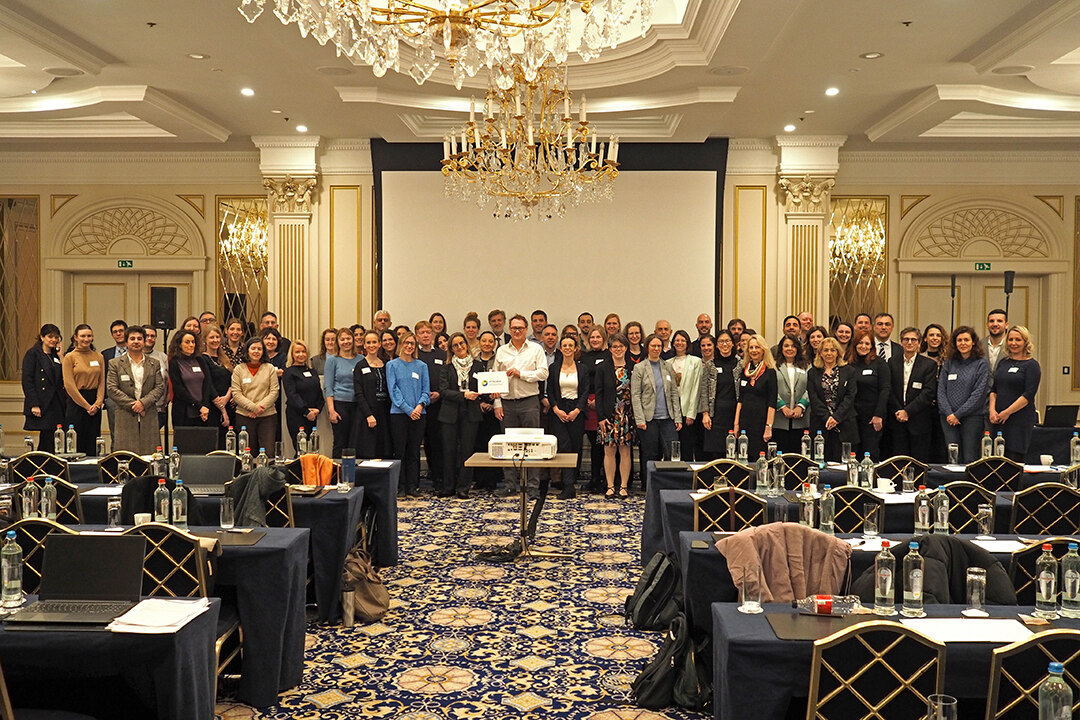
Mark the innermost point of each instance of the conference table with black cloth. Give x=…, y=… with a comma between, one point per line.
x=706, y=580
x=756, y=674
x=171, y=674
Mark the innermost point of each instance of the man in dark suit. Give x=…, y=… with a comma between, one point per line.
x=911, y=404
x=883, y=327
x=497, y=321
x=118, y=330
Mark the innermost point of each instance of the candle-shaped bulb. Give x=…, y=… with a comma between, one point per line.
x=584, y=115
x=472, y=109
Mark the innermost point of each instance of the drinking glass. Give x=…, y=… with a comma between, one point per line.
x=279, y=454
x=813, y=476
x=941, y=707
x=226, y=513
x=870, y=520
x=845, y=451
x=750, y=590
x=909, y=479
x=985, y=519
x=676, y=450
x=112, y=509
x=123, y=472
x=770, y=450
x=954, y=453
x=976, y=591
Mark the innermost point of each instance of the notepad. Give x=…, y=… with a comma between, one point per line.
x=947, y=630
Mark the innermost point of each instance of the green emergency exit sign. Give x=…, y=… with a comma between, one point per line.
x=982, y=266
x=125, y=264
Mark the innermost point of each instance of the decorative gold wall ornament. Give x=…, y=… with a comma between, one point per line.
x=858, y=256
x=198, y=202
x=806, y=194
x=1014, y=235
x=58, y=201
x=155, y=232
x=1055, y=203
x=289, y=194
x=907, y=202
x=242, y=235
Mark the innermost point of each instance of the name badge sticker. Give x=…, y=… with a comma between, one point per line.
x=719, y=371
x=438, y=361
x=744, y=383
x=196, y=368
x=598, y=361
x=416, y=376
x=868, y=371
x=1014, y=369
x=916, y=385
x=245, y=381
x=952, y=376
x=365, y=371
x=95, y=363
x=56, y=360
x=307, y=373
x=125, y=378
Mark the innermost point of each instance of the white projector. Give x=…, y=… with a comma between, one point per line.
x=523, y=444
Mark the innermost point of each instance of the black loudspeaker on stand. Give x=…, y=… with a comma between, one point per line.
x=163, y=307
x=1010, y=279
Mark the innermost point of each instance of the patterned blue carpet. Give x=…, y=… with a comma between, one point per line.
x=469, y=639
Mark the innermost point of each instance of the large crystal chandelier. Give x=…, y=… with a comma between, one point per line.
x=469, y=35
x=527, y=157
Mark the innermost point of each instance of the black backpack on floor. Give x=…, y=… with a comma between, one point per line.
x=677, y=675
x=658, y=595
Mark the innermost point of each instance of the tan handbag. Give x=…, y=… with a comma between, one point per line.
x=364, y=596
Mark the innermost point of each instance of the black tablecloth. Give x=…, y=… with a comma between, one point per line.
x=173, y=674
x=755, y=674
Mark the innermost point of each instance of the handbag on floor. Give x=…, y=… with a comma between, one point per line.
x=364, y=596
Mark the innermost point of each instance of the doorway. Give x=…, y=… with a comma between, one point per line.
x=98, y=298
x=976, y=295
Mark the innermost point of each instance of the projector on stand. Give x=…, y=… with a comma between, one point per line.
x=523, y=444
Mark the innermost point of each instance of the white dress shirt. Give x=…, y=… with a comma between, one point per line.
x=530, y=361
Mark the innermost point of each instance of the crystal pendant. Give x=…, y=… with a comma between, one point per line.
x=251, y=9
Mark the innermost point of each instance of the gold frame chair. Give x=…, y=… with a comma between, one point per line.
x=1073, y=471
x=893, y=469
x=847, y=508
x=964, y=500
x=237, y=464
x=796, y=469
x=728, y=509
x=1017, y=670
x=279, y=509
x=109, y=466
x=907, y=690
x=1022, y=566
x=725, y=472
x=995, y=473
x=30, y=534
x=1048, y=508
x=68, y=503
x=34, y=463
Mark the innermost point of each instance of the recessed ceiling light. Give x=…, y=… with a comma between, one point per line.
x=276, y=111
x=198, y=56
x=1012, y=69
x=872, y=55
x=727, y=70
x=789, y=128
x=301, y=128
x=333, y=70
x=832, y=91
x=247, y=92
x=62, y=71
x=33, y=92
x=809, y=112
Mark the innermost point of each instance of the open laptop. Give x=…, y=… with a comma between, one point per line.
x=1061, y=416
x=206, y=475
x=195, y=440
x=86, y=582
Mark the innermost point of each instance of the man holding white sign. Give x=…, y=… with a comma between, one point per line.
x=526, y=369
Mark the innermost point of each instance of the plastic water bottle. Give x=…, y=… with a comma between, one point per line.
x=884, y=581
x=179, y=505
x=866, y=472
x=245, y=460
x=761, y=475
x=48, y=500
x=58, y=439
x=827, y=511
x=987, y=444
x=301, y=442
x=161, y=502
x=99, y=447
x=11, y=567
x=940, y=506
x=819, y=447
x=1074, y=449
x=999, y=445
x=1070, y=583
x=313, y=441
x=731, y=445
x=827, y=604
x=806, y=506
x=230, y=440
x=744, y=448
x=805, y=444
x=242, y=440
x=71, y=440
x=1046, y=579
x=30, y=499
x=852, y=469
x=776, y=477
x=923, y=513
x=262, y=460
x=28, y=443
x=158, y=466
x=913, y=583
x=1055, y=695
x=174, y=463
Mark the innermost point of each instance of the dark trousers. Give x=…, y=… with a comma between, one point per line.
x=869, y=439
x=787, y=441
x=656, y=441
x=87, y=426
x=343, y=428
x=458, y=441
x=373, y=442
x=262, y=432
x=912, y=438
x=570, y=436
x=406, y=435
x=968, y=435
x=433, y=451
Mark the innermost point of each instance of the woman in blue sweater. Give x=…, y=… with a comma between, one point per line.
x=339, y=390
x=407, y=380
x=963, y=388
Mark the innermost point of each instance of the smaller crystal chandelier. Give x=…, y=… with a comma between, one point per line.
x=468, y=35
x=528, y=157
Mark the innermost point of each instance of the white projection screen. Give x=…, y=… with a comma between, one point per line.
x=648, y=254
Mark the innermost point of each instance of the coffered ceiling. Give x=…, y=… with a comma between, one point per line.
x=133, y=73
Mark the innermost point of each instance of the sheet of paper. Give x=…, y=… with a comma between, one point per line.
x=493, y=382
x=897, y=498
x=694, y=467
x=1039, y=468
x=104, y=490
x=995, y=630
x=698, y=494
x=156, y=616
x=954, y=468
x=377, y=463
x=1000, y=546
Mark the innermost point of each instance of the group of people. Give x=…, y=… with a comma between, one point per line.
x=391, y=390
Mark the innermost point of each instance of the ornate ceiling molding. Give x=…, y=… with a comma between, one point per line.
x=289, y=195
x=89, y=60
